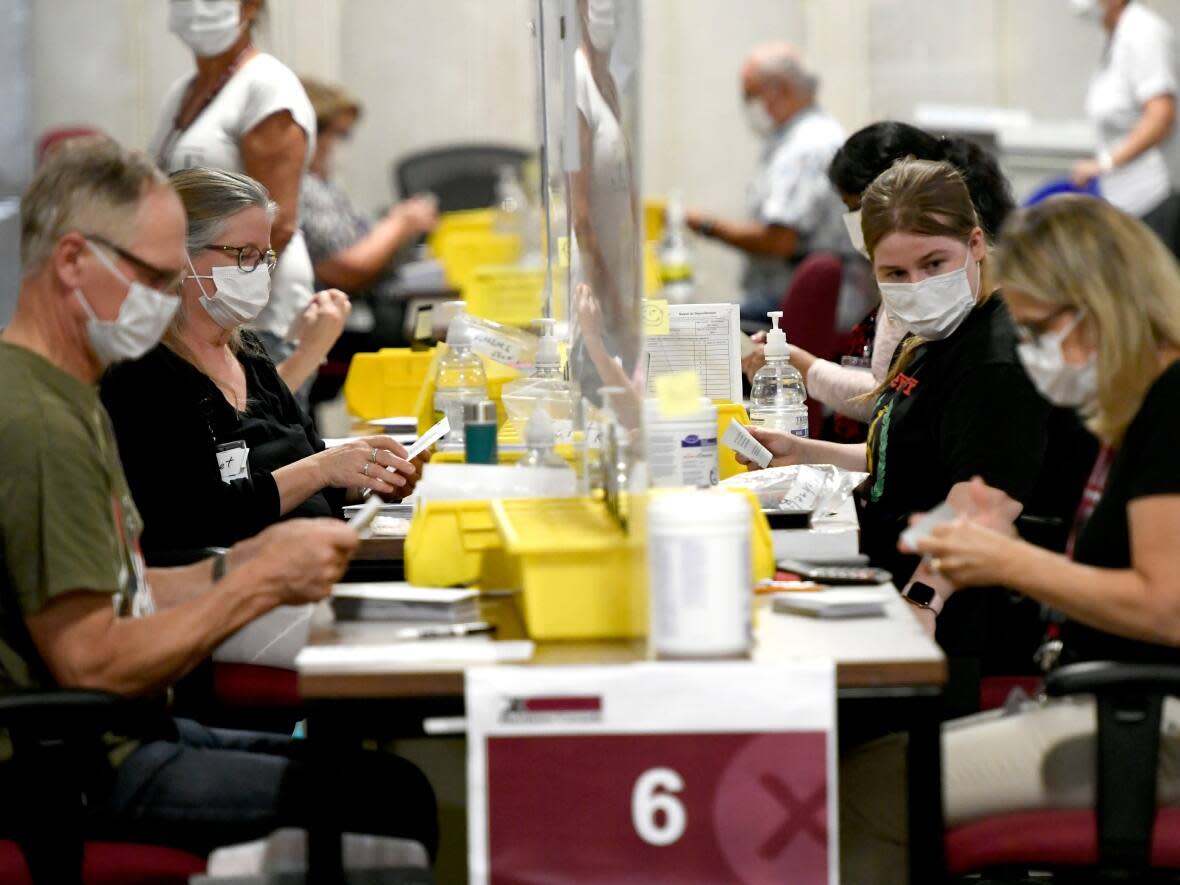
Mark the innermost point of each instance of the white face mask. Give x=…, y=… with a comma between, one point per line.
x=238, y=296
x=207, y=27
x=1090, y=10
x=758, y=118
x=855, y=233
x=1063, y=384
x=143, y=317
x=934, y=307
x=602, y=24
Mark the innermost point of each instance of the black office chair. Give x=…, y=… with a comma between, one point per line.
x=55, y=736
x=1126, y=837
x=461, y=176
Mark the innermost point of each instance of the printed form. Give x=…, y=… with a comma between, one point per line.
x=704, y=337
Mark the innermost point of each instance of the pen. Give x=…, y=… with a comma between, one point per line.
x=444, y=631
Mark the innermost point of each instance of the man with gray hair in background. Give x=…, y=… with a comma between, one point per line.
x=793, y=209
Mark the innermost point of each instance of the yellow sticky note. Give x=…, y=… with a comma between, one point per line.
x=678, y=393
x=563, y=251
x=424, y=323
x=655, y=316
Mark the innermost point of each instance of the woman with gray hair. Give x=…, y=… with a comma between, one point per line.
x=214, y=445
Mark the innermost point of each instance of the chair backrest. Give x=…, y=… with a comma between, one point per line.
x=809, y=306
x=809, y=314
x=462, y=176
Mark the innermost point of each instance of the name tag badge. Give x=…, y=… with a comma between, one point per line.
x=233, y=460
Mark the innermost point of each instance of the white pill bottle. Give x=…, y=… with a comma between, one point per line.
x=699, y=574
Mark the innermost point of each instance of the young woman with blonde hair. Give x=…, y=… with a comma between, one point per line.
x=955, y=405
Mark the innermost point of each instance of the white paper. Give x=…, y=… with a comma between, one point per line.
x=400, y=591
x=429, y=438
x=739, y=439
x=704, y=337
x=272, y=640
x=926, y=523
x=394, y=656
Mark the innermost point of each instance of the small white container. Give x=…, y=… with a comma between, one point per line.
x=699, y=574
x=681, y=451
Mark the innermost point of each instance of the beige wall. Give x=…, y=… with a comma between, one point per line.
x=441, y=70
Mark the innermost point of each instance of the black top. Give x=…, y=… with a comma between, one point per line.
x=963, y=407
x=169, y=419
x=1145, y=465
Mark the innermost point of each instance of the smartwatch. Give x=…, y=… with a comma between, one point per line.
x=922, y=595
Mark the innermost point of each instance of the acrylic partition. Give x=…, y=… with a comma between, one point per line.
x=588, y=67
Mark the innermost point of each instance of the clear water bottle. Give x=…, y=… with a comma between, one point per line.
x=778, y=397
x=461, y=380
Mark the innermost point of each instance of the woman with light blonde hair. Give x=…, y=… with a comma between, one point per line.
x=1096, y=299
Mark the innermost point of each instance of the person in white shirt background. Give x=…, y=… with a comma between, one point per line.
x=245, y=111
x=1132, y=102
x=793, y=209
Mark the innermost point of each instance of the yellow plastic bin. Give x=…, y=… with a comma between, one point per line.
x=726, y=460
x=463, y=251
x=455, y=543
x=509, y=295
x=387, y=382
x=582, y=577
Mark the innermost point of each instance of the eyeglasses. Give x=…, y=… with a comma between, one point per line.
x=169, y=281
x=1030, y=332
x=249, y=257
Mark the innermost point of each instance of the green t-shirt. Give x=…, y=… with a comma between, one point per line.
x=67, y=521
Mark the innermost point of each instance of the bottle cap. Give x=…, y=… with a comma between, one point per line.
x=482, y=412
x=776, y=338
x=548, y=356
x=458, y=331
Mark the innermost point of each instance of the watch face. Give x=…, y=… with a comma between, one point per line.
x=923, y=594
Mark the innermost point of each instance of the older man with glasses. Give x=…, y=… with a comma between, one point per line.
x=102, y=246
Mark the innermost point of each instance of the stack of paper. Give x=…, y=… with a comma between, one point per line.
x=398, y=601
x=852, y=603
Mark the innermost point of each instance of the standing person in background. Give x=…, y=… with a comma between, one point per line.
x=793, y=209
x=1132, y=101
x=349, y=249
x=244, y=111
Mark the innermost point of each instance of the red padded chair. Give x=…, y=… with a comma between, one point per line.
x=112, y=863
x=809, y=314
x=1125, y=837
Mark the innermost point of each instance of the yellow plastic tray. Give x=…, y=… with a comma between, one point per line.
x=386, y=382
x=582, y=577
x=509, y=295
x=726, y=460
x=455, y=543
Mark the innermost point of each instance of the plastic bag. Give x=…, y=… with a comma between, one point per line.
x=819, y=488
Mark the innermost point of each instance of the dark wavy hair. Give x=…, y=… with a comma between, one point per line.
x=871, y=151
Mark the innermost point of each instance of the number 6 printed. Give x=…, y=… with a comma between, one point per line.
x=648, y=800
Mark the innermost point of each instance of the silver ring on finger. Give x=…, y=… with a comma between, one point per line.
x=373, y=455
x=365, y=469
